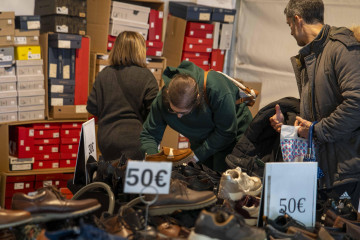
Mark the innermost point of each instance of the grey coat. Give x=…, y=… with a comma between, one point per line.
x=327, y=72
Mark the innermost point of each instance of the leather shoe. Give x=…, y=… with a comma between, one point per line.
x=176, y=156
x=48, y=204
x=12, y=218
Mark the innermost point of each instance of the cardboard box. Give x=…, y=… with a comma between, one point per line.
x=45, y=126
x=30, y=85
x=61, y=99
x=204, y=41
x=155, y=25
x=82, y=63
x=7, y=86
x=27, y=52
x=68, y=112
x=15, y=160
x=31, y=100
x=7, y=23
x=62, y=88
x=7, y=40
x=27, y=22
x=223, y=15
x=190, y=11
x=195, y=55
x=98, y=15
x=26, y=37
x=119, y=25
x=173, y=139
x=7, y=58
x=189, y=47
x=198, y=33
x=129, y=12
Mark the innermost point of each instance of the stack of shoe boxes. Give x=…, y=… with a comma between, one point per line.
x=61, y=68
x=29, y=69
x=21, y=148
x=154, y=44
x=65, y=16
x=204, y=34
x=8, y=93
x=14, y=184
x=69, y=143
x=127, y=17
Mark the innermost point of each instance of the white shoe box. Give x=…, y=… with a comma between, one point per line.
x=30, y=85
x=27, y=113
x=118, y=26
x=130, y=12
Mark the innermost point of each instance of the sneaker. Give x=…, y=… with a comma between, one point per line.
x=176, y=156
x=180, y=197
x=248, y=207
x=253, y=166
x=12, y=218
x=48, y=204
x=225, y=226
x=235, y=184
x=283, y=222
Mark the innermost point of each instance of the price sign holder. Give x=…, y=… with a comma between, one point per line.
x=87, y=148
x=147, y=177
x=290, y=188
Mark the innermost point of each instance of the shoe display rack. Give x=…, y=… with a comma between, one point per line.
x=27, y=180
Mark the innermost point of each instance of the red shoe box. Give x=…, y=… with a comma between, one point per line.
x=203, y=67
x=154, y=44
x=196, y=48
x=46, y=156
x=199, y=34
x=46, y=149
x=155, y=25
x=111, y=42
x=69, y=148
x=42, y=126
x=22, y=184
x=74, y=140
x=68, y=155
x=43, y=180
x=154, y=52
x=46, y=164
x=21, y=141
x=74, y=125
x=66, y=193
x=8, y=201
x=70, y=133
x=52, y=141
x=195, y=55
x=82, y=57
x=193, y=26
x=217, y=59
x=197, y=61
x=204, y=41
x=47, y=133
x=67, y=163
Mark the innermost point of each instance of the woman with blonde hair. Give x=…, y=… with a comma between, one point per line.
x=121, y=98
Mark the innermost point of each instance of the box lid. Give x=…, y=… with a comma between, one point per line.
x=224, y=11
x=190, y=6
x=130, y=6
x=62, y=36
x=129, y=23
x=27, y=18
x=7, y=15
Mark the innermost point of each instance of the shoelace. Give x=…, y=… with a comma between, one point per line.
x=53, y=189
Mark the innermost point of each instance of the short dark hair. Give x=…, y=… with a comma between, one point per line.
x=182, y=92
x=312, y=11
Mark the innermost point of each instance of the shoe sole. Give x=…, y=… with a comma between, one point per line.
x=44, y=217
x=14, y=224
x=168, y=209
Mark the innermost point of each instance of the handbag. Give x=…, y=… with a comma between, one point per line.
x=247, y=95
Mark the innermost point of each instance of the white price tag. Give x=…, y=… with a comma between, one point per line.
x=291, y=188
x=18, y=186
x=148, y=177
x=204, y=16
x=33, y=25
x=64, y=44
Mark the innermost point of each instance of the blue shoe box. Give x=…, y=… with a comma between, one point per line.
x=190, y=11
x=61, y=99
x=61, y=40
x=61, y=86
x=27, y=23
x=223, y=15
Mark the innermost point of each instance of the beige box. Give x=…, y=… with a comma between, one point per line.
x=29, y=67
x=130, y=12
x=27, y=78
x=8, y=116
x=68, y=112
x=27, y=113
x=118, y=25
x=39, y=92
x=7, y=86
x=30, y=85
x=8, y=109
x=31, y=100
x=7, y=71
x=226, y=36
x=10, y=78
x=7, y=23
x=8, y=102
x=7, y=40
x=8, y=94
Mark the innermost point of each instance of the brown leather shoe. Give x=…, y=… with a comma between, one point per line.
x=180, y=197
x=12, y=218
x=176, y=156
x=48, y=204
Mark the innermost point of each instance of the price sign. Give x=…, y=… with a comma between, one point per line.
x=291, y=188
x=148, y=177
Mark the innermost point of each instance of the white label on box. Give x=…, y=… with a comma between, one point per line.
x=74, y=124
x=209, y=35
x=183, y=145
x=55, y=135
x=57, y=183
x=54, y=149
x=40, y=164
x=66, y=72
x=64, y=43
x=8, y=38
x=33, y=24
x=152, y=25
x=204, y=16
x=18, y=186
x=62, y=28
x=55, y=165
x=214, y=64
x=11, y=87
x=74, y=139
x=31, y=132
x=68, y=162
x=22, y=143
x=161, y=14
x=57, y=88
x=80, y=109
x=18, y=167
x=202, y=26
x=151, y=44
x=197, y=54
x=41, y=148
x=46, y=156
x=73, y=155
x=57, y=101
x=67, y=132
x=46, y=140
x=33, y=55
x=36, y=38
x=158, y=53
x=200, y=41
x=27, y=185
x=47, y=183
x=205, y=62
x=209, y=49
x=41, y=132
x=27, y=149
x=70, y=147
x=190, y=46
x=41, y=100
x=5, y=58
x=62, y=10
x=157, y=37
x=9, y=21
x=53, y=70
x=229, y=18
x=47, y=125
x=191, y=33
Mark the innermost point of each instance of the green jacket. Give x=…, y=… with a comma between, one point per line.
x=209, y=129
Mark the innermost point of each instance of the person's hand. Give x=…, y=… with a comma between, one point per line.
x=277, y=120
x=303, y=130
